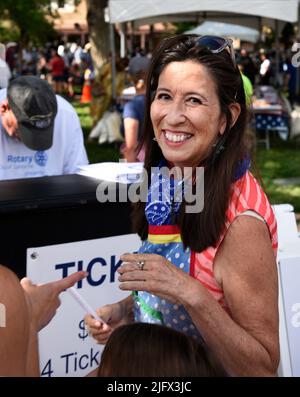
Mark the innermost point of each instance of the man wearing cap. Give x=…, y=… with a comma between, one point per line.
x=40, y=133
x=139, y=63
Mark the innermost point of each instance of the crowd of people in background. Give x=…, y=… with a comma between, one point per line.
x=65, y=64
x=62, y=65
x=69, y=68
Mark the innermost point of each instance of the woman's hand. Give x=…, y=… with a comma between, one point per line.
x=114, y=315
x=43, y=300
x=157, y=276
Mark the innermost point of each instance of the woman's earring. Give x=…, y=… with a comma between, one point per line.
x=219, y=147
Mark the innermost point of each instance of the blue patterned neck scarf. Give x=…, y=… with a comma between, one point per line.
x=164, y=197
x=165, y=194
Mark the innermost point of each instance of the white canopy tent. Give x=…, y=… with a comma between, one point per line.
x=131, y=10
x=226, y=29
x=248, y=13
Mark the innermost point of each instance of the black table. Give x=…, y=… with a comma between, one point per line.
x=53, y=210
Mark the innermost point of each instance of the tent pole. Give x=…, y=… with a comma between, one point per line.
x=260, y=29
x=277, y=51
x=113, y=60
x=122, y=40
x=132, y=28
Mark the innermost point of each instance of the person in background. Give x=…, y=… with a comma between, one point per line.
x=139, y=62
x=5, y=72
x=133, y=117
x=11, y=56
x=265, y=71
x=40, y=133
x=75, y=78
x=88, y=79
x=56, y=66
x=28, y=308
x=166, y=353
x=42, y=70
x=207, y=263
x=86, y=54
x=249, y=68
x=248, y=87
x=290, y=80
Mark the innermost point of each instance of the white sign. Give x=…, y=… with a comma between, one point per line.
x=290, y=289
x=65, y=347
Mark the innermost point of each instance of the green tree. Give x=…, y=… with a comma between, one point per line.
x=30, y=19
x=182, y=27
x=98, y=31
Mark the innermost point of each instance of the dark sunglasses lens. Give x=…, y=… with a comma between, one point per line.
x=211, y=43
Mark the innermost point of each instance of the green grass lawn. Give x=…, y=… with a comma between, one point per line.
x=281, y=161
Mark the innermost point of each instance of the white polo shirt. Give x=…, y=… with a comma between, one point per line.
x=64, y=157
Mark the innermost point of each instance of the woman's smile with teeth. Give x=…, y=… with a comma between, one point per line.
x=176, y=137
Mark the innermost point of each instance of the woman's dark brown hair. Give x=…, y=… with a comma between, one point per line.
x=142, y=349
x=203, y=229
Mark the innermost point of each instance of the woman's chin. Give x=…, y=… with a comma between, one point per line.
x=176, y=160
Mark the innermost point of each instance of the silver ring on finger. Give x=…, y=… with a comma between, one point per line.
x=141, y=265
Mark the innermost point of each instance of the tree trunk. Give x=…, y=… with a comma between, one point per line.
x=98, y=31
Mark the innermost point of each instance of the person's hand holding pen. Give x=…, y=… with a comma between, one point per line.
x=43, y=300
x=114, y=315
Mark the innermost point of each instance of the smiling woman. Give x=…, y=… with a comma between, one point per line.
x=186, y=114
x=201, y=274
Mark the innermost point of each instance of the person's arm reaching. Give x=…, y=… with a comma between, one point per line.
x=14, y=327
x=27, y=308
x=131, y=127
x=43, y=300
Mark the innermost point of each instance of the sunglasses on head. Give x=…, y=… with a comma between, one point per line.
x=216, y=44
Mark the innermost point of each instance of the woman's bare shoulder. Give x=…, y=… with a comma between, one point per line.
x=246, y=248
